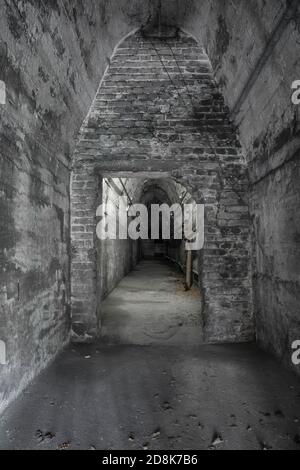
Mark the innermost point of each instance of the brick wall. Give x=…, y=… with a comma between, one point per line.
x=159, y=109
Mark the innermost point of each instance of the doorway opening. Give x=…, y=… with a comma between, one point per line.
x=149, y=289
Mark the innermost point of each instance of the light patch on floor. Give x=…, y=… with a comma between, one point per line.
x=151, y=306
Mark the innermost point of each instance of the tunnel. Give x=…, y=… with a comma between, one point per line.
x=156, y=268
x=149, y=225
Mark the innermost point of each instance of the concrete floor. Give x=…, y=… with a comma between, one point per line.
x=156, y=396
x=151, y=306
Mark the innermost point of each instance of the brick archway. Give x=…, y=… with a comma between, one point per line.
x=159, y=109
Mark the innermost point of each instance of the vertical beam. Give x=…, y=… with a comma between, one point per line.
x=189, y=269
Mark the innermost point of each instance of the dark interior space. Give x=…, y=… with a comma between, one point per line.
x=145, y=344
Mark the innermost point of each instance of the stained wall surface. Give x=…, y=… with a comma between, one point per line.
x=52, y=57
x=255, y=53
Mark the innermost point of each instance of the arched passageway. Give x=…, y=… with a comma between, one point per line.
x=159, y=301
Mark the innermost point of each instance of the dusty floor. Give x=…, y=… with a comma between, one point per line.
x=162, y=395
x=155, y=397
x=151, y=306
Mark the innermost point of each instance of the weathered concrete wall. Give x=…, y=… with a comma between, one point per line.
x=52, y=57
x=277, y=229
x=254, y=49
x=118, y=257
x=159, y=110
